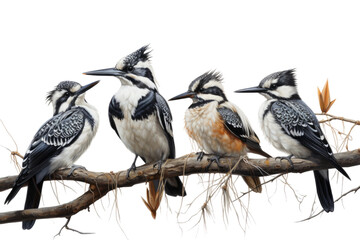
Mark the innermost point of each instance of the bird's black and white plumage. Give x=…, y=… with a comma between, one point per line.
x=58, y=143
x=292, y=127
x=217, y=125
x=140, y=116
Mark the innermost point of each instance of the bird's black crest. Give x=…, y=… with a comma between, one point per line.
x=142, y=54
x=64, y=85
x=205, y=78
x=286, y=77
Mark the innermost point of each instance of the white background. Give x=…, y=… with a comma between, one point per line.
x=43, y=43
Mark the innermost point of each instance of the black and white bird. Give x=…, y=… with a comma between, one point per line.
x=292, y=127
x=58, y=143
x=140, y=116
x=217, y=125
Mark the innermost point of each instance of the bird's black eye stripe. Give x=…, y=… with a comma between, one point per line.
x=61, y=100
x=144, y=72
x=214, y=91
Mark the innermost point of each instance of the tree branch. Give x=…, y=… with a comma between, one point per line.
x=64, y=210
x=102, y=183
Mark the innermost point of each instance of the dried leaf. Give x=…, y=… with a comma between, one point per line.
x=153, y=198
x=324, y=98
x=331, y=103
x=321, y=102
x=146, y=204
x=326, y=94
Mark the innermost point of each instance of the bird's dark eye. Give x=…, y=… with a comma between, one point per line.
x=130, y=68
x=273, y=86
x=66, y=94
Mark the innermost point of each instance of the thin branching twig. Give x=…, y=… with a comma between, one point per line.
x=66, y=226
x=339, y=198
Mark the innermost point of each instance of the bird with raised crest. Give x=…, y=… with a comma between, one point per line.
x=292, y=127
x=140, y=116
x=58, y=143
x=218, y=126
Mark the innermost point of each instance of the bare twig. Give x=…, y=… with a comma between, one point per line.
x=333, y=117
x=15, y=153
x=66, y=226
x=342, y=195
x=271, y=180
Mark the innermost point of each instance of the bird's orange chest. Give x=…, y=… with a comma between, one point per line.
x=207, y=128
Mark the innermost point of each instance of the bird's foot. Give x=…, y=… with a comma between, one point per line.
x=74, y=167
x=287, y=158
x=212, y=159
x=133, y=168
x=200, y=156
x=158, y=164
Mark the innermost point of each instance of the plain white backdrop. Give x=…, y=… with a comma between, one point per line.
x=43, y=43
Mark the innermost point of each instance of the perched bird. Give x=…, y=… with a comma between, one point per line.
x=140, y=116
x=58, y=143
x=292, y=127
x=218, y=126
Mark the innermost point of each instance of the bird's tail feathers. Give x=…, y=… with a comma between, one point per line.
x=254, y=147
x=33, y=196
x=253, y=182
x=12, y=193
x=173, y=187
x=340, y=169
x=323, y=189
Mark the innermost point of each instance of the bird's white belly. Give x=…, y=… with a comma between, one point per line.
x=278, y=138
x=144, y=137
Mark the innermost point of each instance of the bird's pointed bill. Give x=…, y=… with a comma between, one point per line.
x=183, y=95
x=251, y=90
x=86, y=87
x=106, y=72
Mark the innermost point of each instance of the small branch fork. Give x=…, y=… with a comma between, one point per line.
x=333, y=117
x=66, y=226
x=102, y=183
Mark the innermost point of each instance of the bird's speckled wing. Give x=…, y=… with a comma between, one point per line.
x=56, y=133
x=298, y=121
x=236, y=126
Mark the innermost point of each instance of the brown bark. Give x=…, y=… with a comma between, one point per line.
x=102, y=183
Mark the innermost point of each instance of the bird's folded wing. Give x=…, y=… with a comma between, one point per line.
x=51, y=138
x=298, y=121
x=165, y=119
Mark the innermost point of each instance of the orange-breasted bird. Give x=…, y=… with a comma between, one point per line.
x=218, y=126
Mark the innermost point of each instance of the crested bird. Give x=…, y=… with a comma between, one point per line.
x=292, y=127
x=58, y=143
x=217, y=125
x=140, y=116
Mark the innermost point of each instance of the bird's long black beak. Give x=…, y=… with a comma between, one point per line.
x=106, y=72
x=86, y=87
x=251, y=90
x=187, y=94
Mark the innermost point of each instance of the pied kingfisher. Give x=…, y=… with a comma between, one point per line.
x=218, y=126
x=140, y=116
x=292, y=127
x=58, y=143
